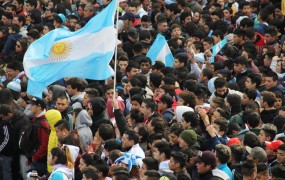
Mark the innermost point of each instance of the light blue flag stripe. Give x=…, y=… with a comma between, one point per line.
x=87, y=53
x=217, y=48
x=160, y=51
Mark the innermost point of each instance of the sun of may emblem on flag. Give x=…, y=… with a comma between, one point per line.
x=60, y=50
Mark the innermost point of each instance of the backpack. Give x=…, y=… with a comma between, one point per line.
x=29, y=141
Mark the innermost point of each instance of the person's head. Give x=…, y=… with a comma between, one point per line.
x=187, y=98
x=189, y=120
x=90, y=173
x=223, y=153
x=217, y=15
x=57, y=156
x=161, y=151
x=30, y=5
x=240, y=64
x=74, y=86
x=47, y=28
x=217, y=35
x=175, y=30
x=221, y=125
x=278, y=100
x=187, y=138
x=59, y=20
x=132, y=69
x=253, y=120
x=271, y=80
x=148, y=107
x=21, y=45
x=120, y=173
x=123, y=62
x=233, y=101
x=180, y=60
x=88, y=11
x=37, y=106
x=267, y=132
x=151, y=175
x=86, y=160
x=221, y=86
x=185, y=17
x=249, y=95
x=245, y=8
x=145, y=65
x=253, y=81
x=177, y=161
x=270, y=36
x=7, y=18
x=149, y=163
x=62, y=128
x=267, y=58
x=174, y=134
x=257, y=154
x=33, y=35
x=106, y=132
x=18, y=4
x=6, y=112
x=237, y=152
x=250, y=139
x=249, y=170
x=19, y=20
x=267, y=99
x=216, y=103
x=271, y=148
x=278, y=172
x=129, y=139
x=162, y=25
x=206, y=161
x=164, y=102
x=62, y=103
x=206, y=75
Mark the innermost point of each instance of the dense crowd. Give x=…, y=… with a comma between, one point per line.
x=209, y=116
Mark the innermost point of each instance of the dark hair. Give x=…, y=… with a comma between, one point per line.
x=191, y=117
x=90, y=173
x=220, y=83
x=253, y=119
x=250, y=139
x=264, y=14
x=255, y=78
x=106, y=131
x=248, y=167
x=62, y=124
x=180, y=157
x=153, y=137
x=268, y=97
x=272, y=74
x=155, y=79
x=218, y=13
x=16, y=66
x=121, y=173
x=32, y=3
x=184, y=15
x=237, y=152
x=251, y=93
x=60, y=154
x=151, y=163
x=223, y=123
x=278, y=171
x=152, y=174
x=132, y=65
x=76, y=83
x=182, y=58
x=247, y=22
x=132, y=136
x=5, y=109
x=88, y=159
x=112, y=144
x=102, y=167
x=150, y=104
x=163, y=147
x=137, y=116
x=167, y=70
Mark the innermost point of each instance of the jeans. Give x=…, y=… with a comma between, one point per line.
x=23, y=166
x=6, y=167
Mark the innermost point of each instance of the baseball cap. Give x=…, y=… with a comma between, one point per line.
x=207, y=157
x=233, y=141
x=61, y=16
x=128, y=16
x=133, y=32
x=38, y=102
x=257, y=153
x=274, y=145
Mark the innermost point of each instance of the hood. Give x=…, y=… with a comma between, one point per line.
x=63, y=169
x=98, y=105
x=53, y=116
x=72, y=151
x=180, y=110
x=57, y=91
x=83, y=119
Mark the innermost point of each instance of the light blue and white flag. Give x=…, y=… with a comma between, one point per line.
x=85, y=53
x=216, y=49
x=159, y=51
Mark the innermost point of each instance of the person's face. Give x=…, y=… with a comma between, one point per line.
x=70, y=90
x=269, y=39
x=201, y=22
x=270, y=152
x=145, y=24
x=18, y=47
x=156, y=155
x=262, y=176
x=207, y=45
x=238, y=68
x=145, y=67
x=87, y=13
x=280, y=156
x=72, y=22
x=16, y=21
x=176, y=32
x=216, y=39
x=248, y=84
x=247, y=10
x=11, y=73
x=77, y=27
x=172, y=164
x=222, y=3
x=80, y=11
x=221, y=91
x=59, y=133
x=28, y=7
x=86, y=100
x=245, y=99
x=17, y=5
x=215, y=18
x=213, y=106
x=182, y=143
x=109, y=93
x=173, y=138
x=215, y=115
x=133, y=72
x=61, y=104
x=278, y=103
x=161, y=106
x=126, y=143
x=162, y=27
x=142, y=170
x=144, y=110
x=133, y=10
x=202, y=168
x=262, y=137
x=184, y=123
x=135, y=105
x=269, y=83
x=51, y=160
x=6, y=21
x=278, y=13
x=236, y=39
x=82, y=165
x=45, y=30
x=196, y=17
x=35, y=108
x=48, y=13
x=227, y=14
x=30, y=39
x=212, y=9
x=187, y=19
x=177, y=64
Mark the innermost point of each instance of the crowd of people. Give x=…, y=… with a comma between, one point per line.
x=209, y=116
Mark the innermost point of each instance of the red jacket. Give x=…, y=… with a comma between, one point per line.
x=43, y=136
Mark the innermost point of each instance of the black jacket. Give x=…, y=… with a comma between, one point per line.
x=6, y=138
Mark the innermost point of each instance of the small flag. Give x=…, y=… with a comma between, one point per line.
x=216, y=49
x=85, y=53
x=159, y=51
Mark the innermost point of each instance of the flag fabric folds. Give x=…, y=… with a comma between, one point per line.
x=85, y=53
x=216, y=49
x=159, y=51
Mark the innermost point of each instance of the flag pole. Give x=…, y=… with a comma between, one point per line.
x=116, y=48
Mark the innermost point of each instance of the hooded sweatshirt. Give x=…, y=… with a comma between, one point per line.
x=82, y=124
x=61, y=172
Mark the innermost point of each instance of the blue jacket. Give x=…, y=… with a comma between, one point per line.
x=10, y=44
x=226, y=169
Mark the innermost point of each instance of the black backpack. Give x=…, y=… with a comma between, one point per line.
x=29, y=140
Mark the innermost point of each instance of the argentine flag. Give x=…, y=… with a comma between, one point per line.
x=216, y=49
x=85, y=53
x=159, y=51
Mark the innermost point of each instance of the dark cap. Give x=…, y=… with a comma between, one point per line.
x=38, y=102
x=207, y=157
x=133, y=32
x=128, y=16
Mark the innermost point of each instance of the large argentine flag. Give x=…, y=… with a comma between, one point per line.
x=85, y=53
x=216, y=49
x=159, y=51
